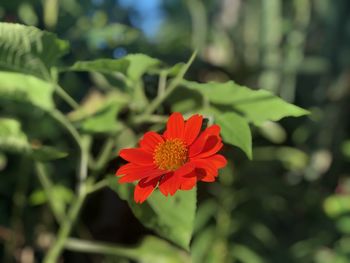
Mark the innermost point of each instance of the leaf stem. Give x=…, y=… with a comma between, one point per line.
x=65, y=229
x=58, y=116
x=47, y=186
x=162, y=82
x=104, y=154
x=98, y=186
x=66, y=97
x=172, y=86
x=101, y=248
x=83, y=167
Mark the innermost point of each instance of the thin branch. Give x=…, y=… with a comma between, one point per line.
x=101, y=248
x=172, y=86
x=47, y=186
x=66, y=97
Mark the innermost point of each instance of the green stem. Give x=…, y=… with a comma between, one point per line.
x=65, y=229
x=58, y=116
x=101, y=248
x=83, y=167
x=99, y=185
x=162, y=82
x=172, y=86
x=47, y=186
x=66, y=97
x=104, y=154
x=150, y=119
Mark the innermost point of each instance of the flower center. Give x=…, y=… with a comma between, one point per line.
x=170, y=155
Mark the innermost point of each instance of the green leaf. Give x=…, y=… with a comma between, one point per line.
x=170, y=71
x=62, y=195
x=104, y=65
x=12, y=139
x=245, y=255
x=235, y=130
x=29, y=50
x=171, y=217
x=154, y=250
x=47, y=153
x=103, y=121
x=98, y=113
x=26, y=89
x=133, y=65
x=140, y=64
x=255, y=105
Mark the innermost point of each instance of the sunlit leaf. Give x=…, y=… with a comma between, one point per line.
x=26, y=89
x=98, y=113
x=133, y=65
x=103, y=121
x=202, y=245
x=13, y=139
x=29, y=50
x=245, y=255
x=171, y=217
x=62, y=195
x=107, y=66
x=255, y=105
x=46, y=153
x=235, y=130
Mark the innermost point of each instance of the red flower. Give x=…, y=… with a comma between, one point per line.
x=175, y=160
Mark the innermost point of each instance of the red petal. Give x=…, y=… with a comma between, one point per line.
x=175, y=126
x=192, y=128
x=185, y=169
x=209, y=140
x=212, y=146
x=136, y=155
x=134, y=168
x=206, y=171
x=143, y=190
x=169, y=184
x=189, y=181
x=218, y=160
x=202, y=175
x=147, y=175
x=150, y=140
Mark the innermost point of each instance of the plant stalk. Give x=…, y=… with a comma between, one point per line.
x=172, y=86
x=65, y=229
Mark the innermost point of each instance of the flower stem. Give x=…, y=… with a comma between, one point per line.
x=101, y=248
x=58, y=116
x=99, y=185
x=105, y=154
x=66, y=97
x=65, y=229
x=172, y=86
x=47, y=186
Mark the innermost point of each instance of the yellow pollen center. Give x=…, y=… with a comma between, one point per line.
x=170, y=155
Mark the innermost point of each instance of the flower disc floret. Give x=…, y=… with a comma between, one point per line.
x=171, y=154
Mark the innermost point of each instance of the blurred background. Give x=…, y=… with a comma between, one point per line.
x=290, y=204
